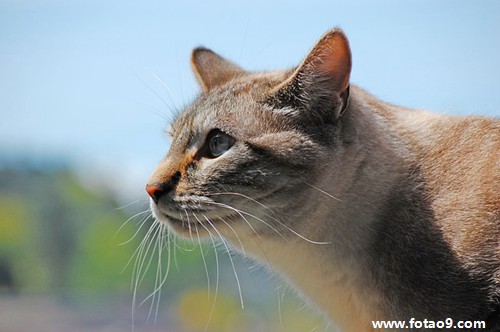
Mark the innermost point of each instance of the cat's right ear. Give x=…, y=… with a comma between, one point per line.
x=213, y=70
x=320, y=84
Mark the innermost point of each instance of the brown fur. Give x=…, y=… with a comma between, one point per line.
x=374, y=211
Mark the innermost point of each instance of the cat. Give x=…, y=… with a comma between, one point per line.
x=371, y=210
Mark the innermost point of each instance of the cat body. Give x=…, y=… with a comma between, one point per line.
x=373, y=211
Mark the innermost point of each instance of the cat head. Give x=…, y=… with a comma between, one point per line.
x=242, y=151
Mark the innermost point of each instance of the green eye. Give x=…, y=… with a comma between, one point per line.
x=218, y=143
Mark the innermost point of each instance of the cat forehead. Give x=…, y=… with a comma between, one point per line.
x=236, y=102
x=214, y=109
x=254, y=84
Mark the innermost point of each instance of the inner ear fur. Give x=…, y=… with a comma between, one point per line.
x=321, y=81
x=211, y=69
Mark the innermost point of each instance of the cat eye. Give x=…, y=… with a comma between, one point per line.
x=218, y=143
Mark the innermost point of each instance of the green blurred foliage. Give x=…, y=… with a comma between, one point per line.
x=17, y=250
x=100, y=260
x=55, y=234
x=13, y=225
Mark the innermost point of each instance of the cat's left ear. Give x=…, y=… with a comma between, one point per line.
x=321, y=82
x=213, y=70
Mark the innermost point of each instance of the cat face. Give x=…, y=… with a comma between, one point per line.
x=232, y=158
x=243, y=149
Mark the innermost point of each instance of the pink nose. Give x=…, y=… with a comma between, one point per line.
x=154, y=191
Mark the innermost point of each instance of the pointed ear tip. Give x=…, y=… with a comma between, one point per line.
x=335, y=29
x=336, y=33
x=199, y=50
x=337, y=36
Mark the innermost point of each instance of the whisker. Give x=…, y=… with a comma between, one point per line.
x=189, y=228
x=167, y=90
x=163, y=242
x=241, y=212
x=138, y=253
x=152, y=110
x=244, y=196
x=280, y=300
x=204, y=261
x=132, y=258
x=155, y=93
x=141, y=223
x=264, y=254
x=141, y=269
x=237, y=237
x=242, y=216
x=322, y=191
x=217, y=271
x=273, y=228
x=129, y=204
x=230, y=259
x=174, y=240
x=158, y=269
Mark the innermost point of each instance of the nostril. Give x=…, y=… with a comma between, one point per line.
x=157, y=190
x=154, y=191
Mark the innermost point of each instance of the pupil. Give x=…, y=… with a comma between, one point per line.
x=218, y=143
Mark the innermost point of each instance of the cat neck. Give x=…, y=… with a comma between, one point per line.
x=373, y=203
x=336, y=224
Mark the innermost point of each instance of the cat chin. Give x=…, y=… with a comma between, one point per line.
x=192, y=228
x=173, y=223
x=180, y=227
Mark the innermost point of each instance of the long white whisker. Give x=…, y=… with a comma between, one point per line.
x=141, y=223
x=138, y=252
x=163, y=240
x=154, y=92
x=129, y=204
x=162, y=279
x=144, y=268
x=273, y=228
x=167, y=268
x=230, y=259
x=250, y=199
x=157, y=245
x=241, y=215
x=280, y=300
x=264, y=254
x=241, y=212
x=217, y=271
x=246, y=197
x=236, y=234
x=189, y=228
x=322, y=191
x=151, y=109
x=204, y=261
x=136, y=270
x=246, y=221
x=167, y=90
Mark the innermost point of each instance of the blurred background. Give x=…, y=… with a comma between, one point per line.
x=86, y=90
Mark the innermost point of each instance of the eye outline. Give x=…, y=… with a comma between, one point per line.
x=212, y=137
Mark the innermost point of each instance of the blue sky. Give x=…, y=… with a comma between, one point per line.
x=87, y=79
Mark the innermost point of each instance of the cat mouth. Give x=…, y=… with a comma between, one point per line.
x=193, y=222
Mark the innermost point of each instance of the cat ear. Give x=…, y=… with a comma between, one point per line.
x=321, y=82
x=211, y=69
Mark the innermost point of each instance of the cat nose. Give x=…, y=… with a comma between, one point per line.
x=154, y=191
